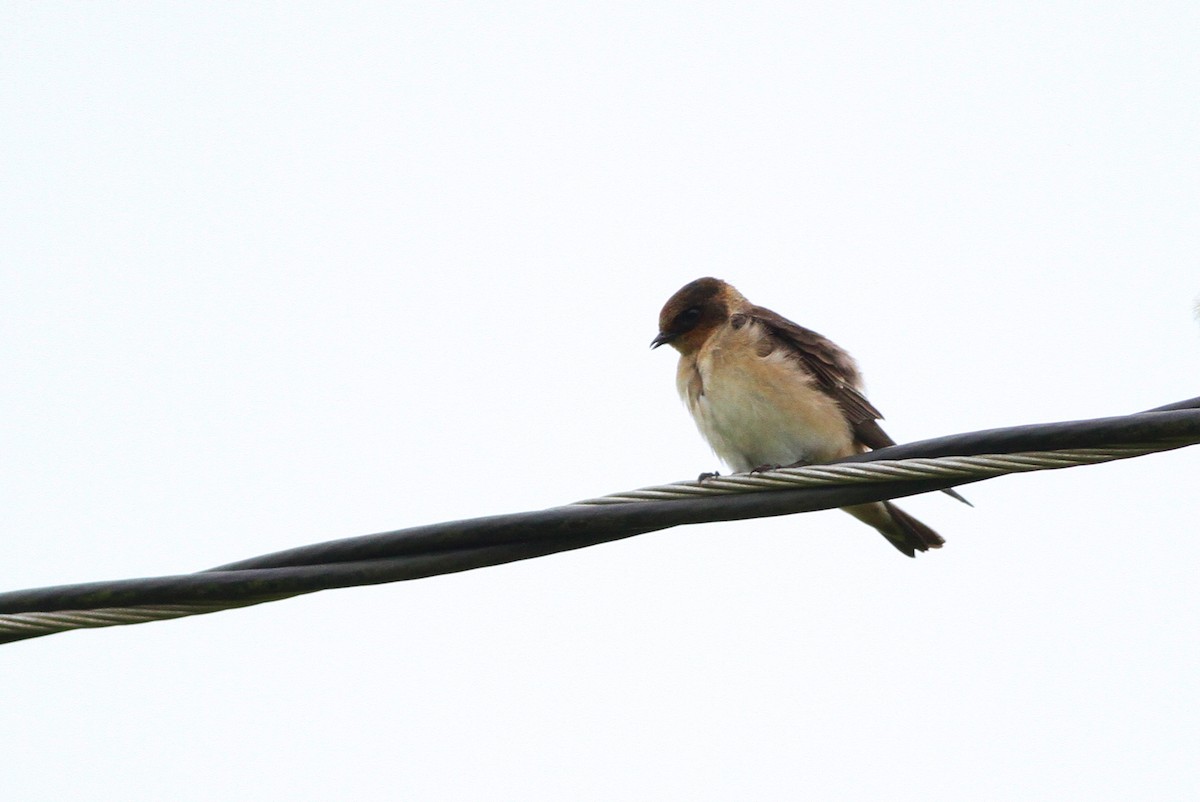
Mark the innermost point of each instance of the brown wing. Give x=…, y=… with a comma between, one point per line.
x=835, y=373
x=833, y=369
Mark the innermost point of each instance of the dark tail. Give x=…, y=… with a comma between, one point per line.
x=902, y=530
x=913, y=536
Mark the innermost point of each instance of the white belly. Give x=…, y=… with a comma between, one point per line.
x=762, y=411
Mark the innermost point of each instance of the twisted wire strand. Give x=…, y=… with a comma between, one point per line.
x=32, y=625
x=22, y=625
x=979, y=466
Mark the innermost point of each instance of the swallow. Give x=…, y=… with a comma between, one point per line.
x=766, y=392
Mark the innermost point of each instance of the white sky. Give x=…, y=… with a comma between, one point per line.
x=284, y=272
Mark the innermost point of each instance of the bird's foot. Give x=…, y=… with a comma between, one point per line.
x=765, y=468
x=704, y=477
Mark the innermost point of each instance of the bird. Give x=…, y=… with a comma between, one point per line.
x=766, y=392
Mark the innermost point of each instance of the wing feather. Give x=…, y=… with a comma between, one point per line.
x=833, y=370
x=835, y=373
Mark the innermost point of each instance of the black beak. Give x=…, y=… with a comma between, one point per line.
x=663, y=338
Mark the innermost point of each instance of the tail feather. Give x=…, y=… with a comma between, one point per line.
x=914, y=535
x=902, y=530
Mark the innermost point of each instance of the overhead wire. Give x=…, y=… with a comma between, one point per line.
x=454, y=546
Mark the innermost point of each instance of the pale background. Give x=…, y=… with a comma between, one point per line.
x=277, y=273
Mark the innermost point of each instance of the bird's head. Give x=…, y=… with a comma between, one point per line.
x=694, y=312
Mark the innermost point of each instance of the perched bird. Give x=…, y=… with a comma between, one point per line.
x=766, y=392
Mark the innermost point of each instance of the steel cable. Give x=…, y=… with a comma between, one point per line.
x=453, y=546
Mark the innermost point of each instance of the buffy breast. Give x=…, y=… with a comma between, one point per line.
x=761, y=410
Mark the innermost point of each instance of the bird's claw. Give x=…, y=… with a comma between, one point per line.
x=704, y=477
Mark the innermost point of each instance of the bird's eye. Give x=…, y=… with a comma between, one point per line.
x=688, y=317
